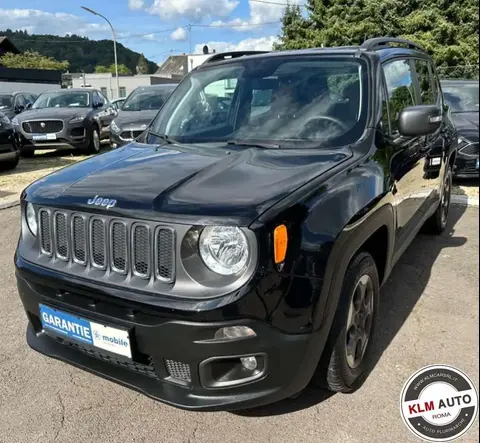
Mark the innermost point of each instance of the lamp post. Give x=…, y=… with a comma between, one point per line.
x=114, y=44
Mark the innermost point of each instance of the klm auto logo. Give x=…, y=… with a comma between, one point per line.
x=103, y=202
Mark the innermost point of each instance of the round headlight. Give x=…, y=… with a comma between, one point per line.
x=224, y=249
x=31, y=219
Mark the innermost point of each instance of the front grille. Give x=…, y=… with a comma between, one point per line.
x=130, y=135
x=148, y=370
x=42, y=127
x=178, y=370
x=106, y=244
x=471, y=149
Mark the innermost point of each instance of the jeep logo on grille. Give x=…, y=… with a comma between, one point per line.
x=100, y=201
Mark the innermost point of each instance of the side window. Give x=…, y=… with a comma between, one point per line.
x=20, y=101
x=398, y=77
x=97, y=98
x=104, y=99
x=425, y=82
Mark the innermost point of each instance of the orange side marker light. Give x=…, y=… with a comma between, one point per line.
x=280, y=243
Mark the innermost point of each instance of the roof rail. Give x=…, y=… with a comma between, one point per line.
x=229, y=55
x=384, y=42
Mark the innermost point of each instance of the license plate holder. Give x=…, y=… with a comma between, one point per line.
x=81, y=330
x=44, y=137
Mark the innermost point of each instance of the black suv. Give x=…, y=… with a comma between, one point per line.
x=235, y=252
x=65, y=118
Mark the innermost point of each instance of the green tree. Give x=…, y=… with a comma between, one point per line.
x=122, y=69
x=447, y=29
x=32, y=60
x=142, y=65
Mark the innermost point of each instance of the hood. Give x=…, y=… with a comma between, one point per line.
x=135, y=119
x=60, y=113
x=185, y=183
x=467, y=124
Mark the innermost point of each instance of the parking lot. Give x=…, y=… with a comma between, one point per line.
x=429, y=315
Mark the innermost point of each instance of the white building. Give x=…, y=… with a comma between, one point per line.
x=107, y=83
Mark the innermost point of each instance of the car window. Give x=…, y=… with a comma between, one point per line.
x=400, y=89
x=425, y=82
x=98, y=98
x=6, y=101
x=20, y=101
x=63, y=98
x=462, y=97
x=318, y=100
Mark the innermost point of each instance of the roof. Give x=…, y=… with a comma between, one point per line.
x=7, y=46
x=173, y=66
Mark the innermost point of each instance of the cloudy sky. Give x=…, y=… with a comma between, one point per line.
x=157, y=28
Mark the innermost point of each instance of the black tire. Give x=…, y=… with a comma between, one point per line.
x=437, y=223
x=27, y=152
x=339, y=372
x=10, y=164
x=94, y=142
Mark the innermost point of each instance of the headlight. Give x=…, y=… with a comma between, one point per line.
x=114, y=127
x=462, y=140
x=31, y=219
x=77, y=119
x=5, y=120
x=224, y=249
x=15, y=121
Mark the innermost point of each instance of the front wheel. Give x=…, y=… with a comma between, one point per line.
x=437, y=223
x=350, y=342
x=94, y=145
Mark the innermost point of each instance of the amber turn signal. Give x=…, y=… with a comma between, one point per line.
x=280, y=242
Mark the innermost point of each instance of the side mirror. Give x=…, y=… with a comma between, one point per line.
x=29, y=105
x=415, y=121
x=97, y=105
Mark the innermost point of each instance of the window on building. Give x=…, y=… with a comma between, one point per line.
x=123, y=91
x=104, y=91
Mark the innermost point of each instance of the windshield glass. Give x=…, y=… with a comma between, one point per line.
x=145, y=99
x=62, y=99
x=462, y=98
x=6, y=102
x=322, y=100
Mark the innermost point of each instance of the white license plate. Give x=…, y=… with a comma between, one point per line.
x=82, y=330
x=43, y=137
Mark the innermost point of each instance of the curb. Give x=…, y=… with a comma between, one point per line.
x=465, y=200
x=9, y=204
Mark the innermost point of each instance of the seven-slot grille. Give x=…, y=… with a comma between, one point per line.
x=42, y=127
x=138, y=248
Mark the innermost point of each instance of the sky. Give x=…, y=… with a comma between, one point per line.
x=156, y=28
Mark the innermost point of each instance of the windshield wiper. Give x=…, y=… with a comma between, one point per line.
x=253, y=144
x=164, y=137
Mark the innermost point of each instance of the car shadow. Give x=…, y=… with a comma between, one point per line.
x=399, y=295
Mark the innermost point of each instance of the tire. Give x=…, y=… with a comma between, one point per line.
x=10, y=164
x=27, y=152
x=437, y=223
x=94, y=143
x=346, y=364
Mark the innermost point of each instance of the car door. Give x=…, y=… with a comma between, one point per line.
x=102, y=114
x=410, y=187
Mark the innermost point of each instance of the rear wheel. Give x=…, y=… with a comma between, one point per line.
x=437, y=223
x=94, y=144
x=349, y=348
x=10, y=164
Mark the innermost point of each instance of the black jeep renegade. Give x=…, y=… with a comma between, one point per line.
x=235, y=251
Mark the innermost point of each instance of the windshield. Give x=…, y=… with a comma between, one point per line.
x=6, y=102
x=145, y=99
x=282, y=99
x=62, y=99
x=461, y=97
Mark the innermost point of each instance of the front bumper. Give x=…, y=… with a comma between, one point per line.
x=160, y=341
x=118, y=139
x=73, y=135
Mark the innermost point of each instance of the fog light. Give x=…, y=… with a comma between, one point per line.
x=233, y=332
x=249, y=363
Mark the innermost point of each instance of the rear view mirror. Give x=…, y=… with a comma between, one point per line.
x=415, y=121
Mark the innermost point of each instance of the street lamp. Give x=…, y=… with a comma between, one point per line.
x=114, y=43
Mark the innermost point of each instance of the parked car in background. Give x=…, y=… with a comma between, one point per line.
x=65, y=118
x=9, y=149
x=137, y=112
x=118, y=103
x=229, y=257
x=13, y=103
x=463, y=98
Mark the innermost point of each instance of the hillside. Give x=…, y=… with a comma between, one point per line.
x=82, y=55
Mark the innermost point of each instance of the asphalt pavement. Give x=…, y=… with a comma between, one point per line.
x=429, y=315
